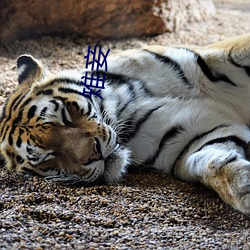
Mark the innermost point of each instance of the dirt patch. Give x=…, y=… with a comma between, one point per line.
x=146, y=210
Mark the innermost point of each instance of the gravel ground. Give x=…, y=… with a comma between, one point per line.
x=146, y=210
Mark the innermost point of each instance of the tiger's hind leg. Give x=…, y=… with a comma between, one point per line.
x=223, y=169
x=225, y=74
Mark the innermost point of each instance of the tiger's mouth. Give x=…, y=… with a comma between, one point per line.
x=75, y=180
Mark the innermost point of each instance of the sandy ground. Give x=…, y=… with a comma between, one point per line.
x=146, y=210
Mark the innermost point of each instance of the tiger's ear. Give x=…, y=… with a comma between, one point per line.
x=29, y=69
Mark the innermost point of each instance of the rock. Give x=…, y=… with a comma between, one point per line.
x=98, y=19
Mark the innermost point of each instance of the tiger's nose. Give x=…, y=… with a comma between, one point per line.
x=96, y=153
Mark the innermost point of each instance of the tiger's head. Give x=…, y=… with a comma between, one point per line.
x=48, y=128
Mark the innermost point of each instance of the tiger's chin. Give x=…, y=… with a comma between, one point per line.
x=106, y=171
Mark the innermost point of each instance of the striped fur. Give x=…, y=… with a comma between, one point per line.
x=183, y=111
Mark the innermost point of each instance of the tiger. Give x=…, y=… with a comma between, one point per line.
x=181, y=110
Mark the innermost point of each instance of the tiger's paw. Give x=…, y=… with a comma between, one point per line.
x=231, y=180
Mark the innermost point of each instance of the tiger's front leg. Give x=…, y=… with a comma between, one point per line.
x=224, y=169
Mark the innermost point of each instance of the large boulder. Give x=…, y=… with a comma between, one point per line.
x=98, y=19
